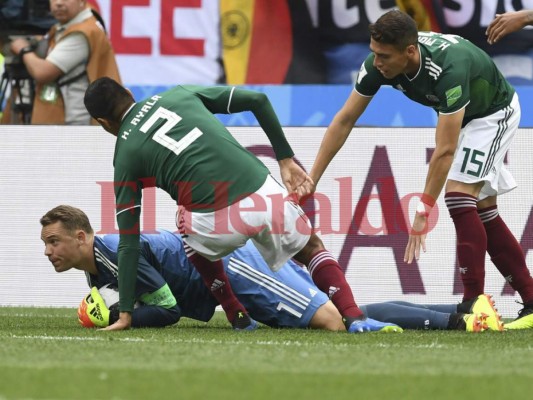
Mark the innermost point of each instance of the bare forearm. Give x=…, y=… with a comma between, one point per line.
x=41, y=70
x=338, y=132
x=333, y=140
x=528, y=17
x=439, y=167
x=504, y=24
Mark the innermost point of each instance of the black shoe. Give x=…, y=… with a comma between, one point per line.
x=243, y=322
x=457, y=322
x=524, y=319
x=466, y=306
x=527, y=310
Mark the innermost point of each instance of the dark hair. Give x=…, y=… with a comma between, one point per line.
x=72, y=218
x=106, y=98
x=396, y=28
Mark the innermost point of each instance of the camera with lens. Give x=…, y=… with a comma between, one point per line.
x=28, y=19
x=13, y=64
x=17, y=85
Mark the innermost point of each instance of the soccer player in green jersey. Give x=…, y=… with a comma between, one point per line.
x=226, y=195
x=478, y=116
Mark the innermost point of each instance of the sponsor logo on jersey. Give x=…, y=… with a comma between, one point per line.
x=463, y=270
x=453, y=94
x=509, y=278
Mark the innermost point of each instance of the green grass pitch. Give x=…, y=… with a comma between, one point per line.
x=45, y=354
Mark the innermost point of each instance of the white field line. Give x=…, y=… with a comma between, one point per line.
x=36, y=315
x=292, y=343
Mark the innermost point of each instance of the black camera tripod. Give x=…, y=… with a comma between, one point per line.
x=22, y=92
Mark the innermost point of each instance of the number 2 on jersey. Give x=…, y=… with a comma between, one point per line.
x=160, y=135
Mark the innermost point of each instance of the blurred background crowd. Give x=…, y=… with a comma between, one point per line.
x=160, y=43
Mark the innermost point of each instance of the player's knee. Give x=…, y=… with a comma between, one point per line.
x=328, y=318
x=313, y=246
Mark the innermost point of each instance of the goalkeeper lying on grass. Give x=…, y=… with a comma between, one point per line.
x=169, y=287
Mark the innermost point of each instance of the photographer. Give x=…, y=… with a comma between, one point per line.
x=20, y=18
x=78, y=52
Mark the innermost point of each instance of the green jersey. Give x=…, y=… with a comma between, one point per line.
x=174, y=142
x=453, y=74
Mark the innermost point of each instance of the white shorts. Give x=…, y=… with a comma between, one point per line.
x=278, y=226
x=481, y=150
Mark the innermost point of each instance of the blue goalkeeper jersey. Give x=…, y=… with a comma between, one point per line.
x=168, y=286
x=162, y=261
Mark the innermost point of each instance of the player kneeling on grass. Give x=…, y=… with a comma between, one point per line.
x=168, y=287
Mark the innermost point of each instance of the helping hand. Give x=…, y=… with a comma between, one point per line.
x=503, y=24
x=417, y=239
x=295, y=179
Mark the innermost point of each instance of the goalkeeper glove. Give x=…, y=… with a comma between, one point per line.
x=92, y=311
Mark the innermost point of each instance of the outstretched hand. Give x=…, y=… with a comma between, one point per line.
x=123, y=322
x=504, y=24
x=295, y=178
x=417, y=239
